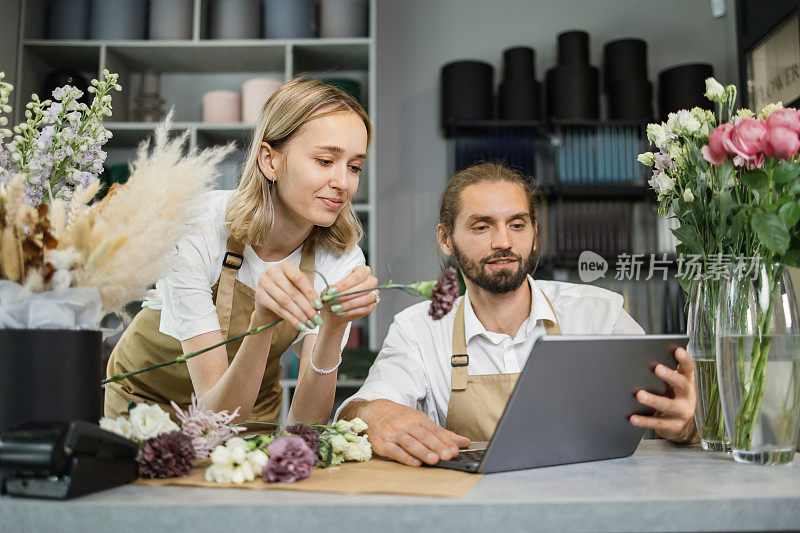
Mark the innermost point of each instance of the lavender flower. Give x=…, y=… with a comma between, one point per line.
x=444, y=294
x=167, y=455
x=204, y=427
x=290, y=460
x=310, y=435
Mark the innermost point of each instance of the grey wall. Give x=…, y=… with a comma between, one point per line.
x=417, y=37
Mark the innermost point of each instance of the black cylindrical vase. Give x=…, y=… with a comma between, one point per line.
x=683, y=87
x=573, y=92
x=466, y=91
x=631, y=100
x=625, y=59
x=49, y=375
x=519, y=100
x=519, y=64
x=573, y=48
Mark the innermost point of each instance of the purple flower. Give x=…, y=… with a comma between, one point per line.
x=444, y=294
x=290, y=460
x=204, y=427
x=167, y=455
x=310, y=435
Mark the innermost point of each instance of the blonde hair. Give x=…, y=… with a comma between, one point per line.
x=250, y=214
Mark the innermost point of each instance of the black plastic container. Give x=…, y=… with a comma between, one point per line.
x=683, y=87
x=519, y=63
x=466, y=91
x=631, y=100
x=573, y=92
x=573, y=48
x=519, y=100
x=624, y=59
x=49, y=375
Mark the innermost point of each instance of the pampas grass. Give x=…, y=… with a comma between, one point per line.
x=124, y=240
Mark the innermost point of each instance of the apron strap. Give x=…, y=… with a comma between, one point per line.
x=231, y=264
x=459, y=360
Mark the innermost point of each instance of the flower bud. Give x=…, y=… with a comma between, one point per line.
x=646, y=159
x=714, y=90
x=688, y=197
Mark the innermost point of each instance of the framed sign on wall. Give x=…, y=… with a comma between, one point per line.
x=773, y=66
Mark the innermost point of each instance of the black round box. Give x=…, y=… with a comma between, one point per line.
x=573, y=48
x=683, y=87
x=625, y=59
x=519, y=63
x=49, y=375
x=631, y=100
x=573, y=92
x=519, y=100
x=466, y=91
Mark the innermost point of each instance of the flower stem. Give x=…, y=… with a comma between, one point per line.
x=186, y=357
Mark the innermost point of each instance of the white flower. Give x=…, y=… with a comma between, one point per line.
x=646, y=159
x=343, y=425
x=358, y=425
x=744, y=113
x=358, y=450
x=661, y=182
x=121, y=426
x=339, y=443
x=769, y=108
x=714, y=90
x=150, y=421
x=221, y=456
x=234, y=462
x=219, y=474
x=258, y=459
x=657, y=134
x=688, y=197
x=685, y=123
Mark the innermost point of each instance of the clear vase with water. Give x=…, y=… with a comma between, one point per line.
x=758, y=365
x=701, y=328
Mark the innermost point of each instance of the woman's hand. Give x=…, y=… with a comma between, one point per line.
x=344, y=309
x=285, y=292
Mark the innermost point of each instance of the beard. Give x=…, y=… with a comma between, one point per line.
x=500, y=282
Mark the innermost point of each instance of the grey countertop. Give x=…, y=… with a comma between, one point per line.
x=661, y=487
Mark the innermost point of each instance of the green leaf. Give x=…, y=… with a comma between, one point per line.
x=755, y=179
x=792, y=258
x=723, y=173
x=771, y=231
x=688, y=235
x=786, y=172
x=794, y=188
x=789, y=214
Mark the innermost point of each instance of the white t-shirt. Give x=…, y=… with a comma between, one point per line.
x=184, y=295
x=413, y=366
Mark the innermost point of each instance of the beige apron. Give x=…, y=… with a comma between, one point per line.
x=477, y=402
x=142, y=344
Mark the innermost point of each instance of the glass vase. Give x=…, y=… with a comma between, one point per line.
x=758, y=364
x=701, y=328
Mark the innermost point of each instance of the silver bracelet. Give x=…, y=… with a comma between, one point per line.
x=324, y=372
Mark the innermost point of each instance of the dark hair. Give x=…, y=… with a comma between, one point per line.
x=481, y=173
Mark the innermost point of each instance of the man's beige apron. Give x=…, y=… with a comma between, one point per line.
x=143, y=344
x=477, y=402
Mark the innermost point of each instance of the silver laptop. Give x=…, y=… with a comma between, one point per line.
x=572, y=402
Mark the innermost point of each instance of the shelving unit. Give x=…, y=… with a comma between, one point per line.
x=188, y=69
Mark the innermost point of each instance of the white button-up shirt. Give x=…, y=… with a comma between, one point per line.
x=413, y=366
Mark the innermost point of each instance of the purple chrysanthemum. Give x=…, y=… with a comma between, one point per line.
x=310, y=435
x=204, y=427
x=290, y=460
x=167, y=455
x=444, y=294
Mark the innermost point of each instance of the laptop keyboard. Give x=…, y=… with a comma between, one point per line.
x=469, y=457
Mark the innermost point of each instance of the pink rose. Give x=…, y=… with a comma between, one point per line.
x=784, y=118
x=717, y=152
x=781, y=142
x=747, y=142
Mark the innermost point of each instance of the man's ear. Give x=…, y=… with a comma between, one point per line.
x=445, y=245
x=266, y=162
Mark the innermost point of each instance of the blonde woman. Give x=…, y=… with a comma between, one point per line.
x=250, y=259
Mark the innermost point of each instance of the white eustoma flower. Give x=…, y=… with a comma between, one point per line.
x=358, y=425
x=646, y=159
x=221, y=456
x=150, y=421
x=685, y=123
x=343, y=425
x=339, y=443
x=662, y=183
x=219, y=474
x=688, y=197
x=234, y=462
x=657, y=134
x=358, y=450
x=714, y=90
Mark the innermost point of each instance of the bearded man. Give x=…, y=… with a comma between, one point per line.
x=424, y=399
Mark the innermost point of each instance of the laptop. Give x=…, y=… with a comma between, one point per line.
x=572, y=402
